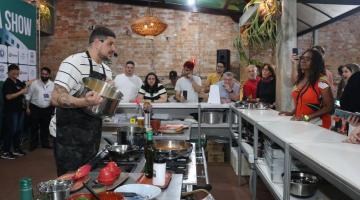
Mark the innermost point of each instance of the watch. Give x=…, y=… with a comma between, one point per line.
x=306, y=118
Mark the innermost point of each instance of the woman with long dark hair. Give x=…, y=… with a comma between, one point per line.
x=312, y=93
x=346, y=72
x=266, y=88
x=152, y=89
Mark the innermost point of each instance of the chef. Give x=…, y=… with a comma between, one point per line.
x=78, y=134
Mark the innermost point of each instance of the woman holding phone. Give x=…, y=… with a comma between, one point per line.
x=312, y=93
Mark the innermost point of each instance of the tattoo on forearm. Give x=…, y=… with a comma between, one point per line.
x=63, y=98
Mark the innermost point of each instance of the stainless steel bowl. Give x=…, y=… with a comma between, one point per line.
x=55, y=189
x=111, y=97
x=212, y=117
x=303, y=184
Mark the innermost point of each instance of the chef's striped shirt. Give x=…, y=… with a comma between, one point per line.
x=76, y=67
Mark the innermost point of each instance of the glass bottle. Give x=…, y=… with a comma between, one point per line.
x=149, y=154
x=26, y=192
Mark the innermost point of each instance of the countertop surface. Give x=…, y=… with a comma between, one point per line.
x=341, y=159
x=300, y=132
x=267, y=115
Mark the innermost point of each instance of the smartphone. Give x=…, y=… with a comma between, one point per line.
x=185, y=94
x=345, y=114
x=295, y=51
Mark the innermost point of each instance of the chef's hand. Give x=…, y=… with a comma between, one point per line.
x=111, y=82
x=93, y=98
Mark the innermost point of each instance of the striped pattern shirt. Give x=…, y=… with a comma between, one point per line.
x=76, y=67
x=152, y=96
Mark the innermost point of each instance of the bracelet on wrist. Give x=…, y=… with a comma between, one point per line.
x=306, y=118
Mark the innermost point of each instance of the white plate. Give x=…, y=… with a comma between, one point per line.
x=144, y=190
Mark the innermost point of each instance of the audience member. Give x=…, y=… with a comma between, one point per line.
x=170, y=87
x=14, y=107
x=229, y=89
x=128, y=83
x=350, y=99
x=152, y=89
x=312, y=94
x=188, y=84
x=214, y=78
x=250, y=85
x=346, y=72
x=266, y=88
x=39, y=108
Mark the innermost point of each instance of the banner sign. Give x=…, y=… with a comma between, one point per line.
x=17, y=33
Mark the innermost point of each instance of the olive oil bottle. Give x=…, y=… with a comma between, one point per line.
x=149, y=154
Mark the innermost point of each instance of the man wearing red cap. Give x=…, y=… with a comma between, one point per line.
x=188, y=86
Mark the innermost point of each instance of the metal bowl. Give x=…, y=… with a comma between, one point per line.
x=213, y=117
x=111, y=97
x=55, y=189
x=303, y=184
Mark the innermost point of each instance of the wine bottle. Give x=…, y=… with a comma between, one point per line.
x=149, y=154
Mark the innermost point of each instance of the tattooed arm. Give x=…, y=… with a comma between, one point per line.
x=61, y=98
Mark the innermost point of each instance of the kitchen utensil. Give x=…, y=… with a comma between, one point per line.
x=111, y=96
x=147, y=191
x=55, y=189
x=303, y=184
x=213, y=117
x=131, y=135
x=119, y=150
x=172, y=149
x=92, y=191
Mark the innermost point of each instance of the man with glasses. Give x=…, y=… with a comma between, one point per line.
x=39, y=109
x=229, y=89
x=215, y=77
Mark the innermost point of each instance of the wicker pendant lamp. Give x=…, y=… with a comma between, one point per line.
x=149, y=25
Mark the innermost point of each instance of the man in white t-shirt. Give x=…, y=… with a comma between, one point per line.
x=188, y=84
x=128, y=83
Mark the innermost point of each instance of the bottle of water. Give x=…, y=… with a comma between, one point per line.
x=26, y=192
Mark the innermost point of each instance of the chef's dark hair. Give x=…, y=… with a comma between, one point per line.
x=13, y=67
x=101, y=33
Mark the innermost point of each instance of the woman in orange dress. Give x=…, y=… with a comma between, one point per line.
x=312, y=93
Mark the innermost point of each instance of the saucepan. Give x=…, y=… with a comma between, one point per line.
x=111, y=97
x=172, y=149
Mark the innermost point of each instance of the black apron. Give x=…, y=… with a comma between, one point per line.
x=78, y=134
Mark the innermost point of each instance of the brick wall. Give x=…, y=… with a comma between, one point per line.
x=188, y=35
x=340, y=40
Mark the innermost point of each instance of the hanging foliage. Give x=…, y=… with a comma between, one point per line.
x=261, y=28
